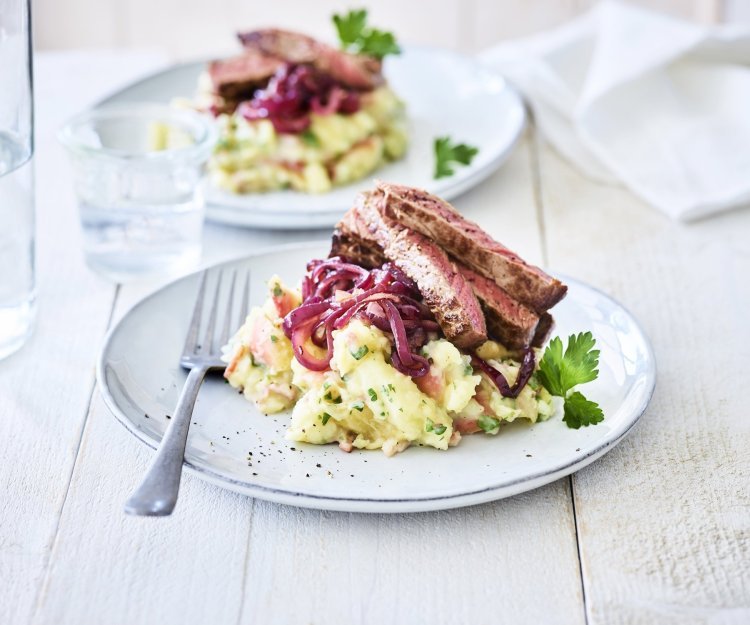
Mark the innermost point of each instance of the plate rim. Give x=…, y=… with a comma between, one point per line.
x=250, y=217
x=369, y=504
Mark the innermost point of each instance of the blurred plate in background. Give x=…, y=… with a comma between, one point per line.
x=445, y=94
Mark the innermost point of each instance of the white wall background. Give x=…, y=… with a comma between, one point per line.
x=197, y=28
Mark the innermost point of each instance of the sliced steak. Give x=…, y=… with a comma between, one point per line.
x=353, y=70
x=508, y=321
x=239, y=77
x=443, y=288
x=355, y=249
x=438, y=220
x=283, y=44
x=546, y=323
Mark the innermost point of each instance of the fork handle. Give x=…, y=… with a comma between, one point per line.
x=157, y=494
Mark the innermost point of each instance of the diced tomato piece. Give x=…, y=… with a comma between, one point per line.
x=431, y=384
x=284, y=303
x=260, y=343
x=466, y=425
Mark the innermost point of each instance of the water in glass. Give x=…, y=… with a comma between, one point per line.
x=137, y=223
x=17, y=289
x=137, y=171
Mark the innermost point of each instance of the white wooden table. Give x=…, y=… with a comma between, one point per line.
x=658, y=531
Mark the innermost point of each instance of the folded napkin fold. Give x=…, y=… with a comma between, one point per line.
x=660, y=104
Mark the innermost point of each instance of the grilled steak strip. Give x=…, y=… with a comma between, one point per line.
x=546, y=323
x=438, y=220
x=238, y=78
x=350, y=246
x=508, y=321
x=353, y=70
x=446, y=292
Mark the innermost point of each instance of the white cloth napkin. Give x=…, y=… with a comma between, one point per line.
x=660, y=104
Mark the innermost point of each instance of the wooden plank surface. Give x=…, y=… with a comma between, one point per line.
x=46, y=387
x=479, y=565
x=664, y=519
x=224, y=558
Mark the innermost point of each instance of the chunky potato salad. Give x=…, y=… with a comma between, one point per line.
x=362, y=401
x=336, y=149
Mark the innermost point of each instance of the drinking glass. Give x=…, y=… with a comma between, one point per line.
x=17, y=280
x=137, y=169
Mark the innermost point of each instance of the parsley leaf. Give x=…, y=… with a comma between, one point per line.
x=488, y=424
x=379, y=43
x=356, y=36
x=325, y=417
x=447, y=152
x=579, y=411
x=430, y=426
x=309, y=138
x=360, y=352
x=350, y=26
x=559, y=372
x=334, y=400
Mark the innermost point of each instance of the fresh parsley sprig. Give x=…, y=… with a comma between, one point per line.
x=559, y=372
x=580, y=411
x=356, y=36
x=447, y=152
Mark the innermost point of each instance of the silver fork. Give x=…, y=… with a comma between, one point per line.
x=157, y=494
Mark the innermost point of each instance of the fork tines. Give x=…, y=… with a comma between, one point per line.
x=222, y=302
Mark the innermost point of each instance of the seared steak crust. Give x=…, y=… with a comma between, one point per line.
x=355, y=249
x=353, y=70
x=266, y=51
x=546, y=323
x=443, y=287
x=438, y=220
x=238, y=78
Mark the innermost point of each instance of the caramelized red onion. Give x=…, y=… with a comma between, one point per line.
x=335, y=291
x=498, y=379
x=293, y=93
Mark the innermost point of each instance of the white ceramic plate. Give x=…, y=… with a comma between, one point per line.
x=140, y=379
x=446, y=94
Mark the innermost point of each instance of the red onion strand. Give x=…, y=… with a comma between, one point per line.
x=498, y=379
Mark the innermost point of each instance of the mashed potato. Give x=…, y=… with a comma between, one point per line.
x=259, y=355
x=336, y=149
x=362, y=401
x=488, y=408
